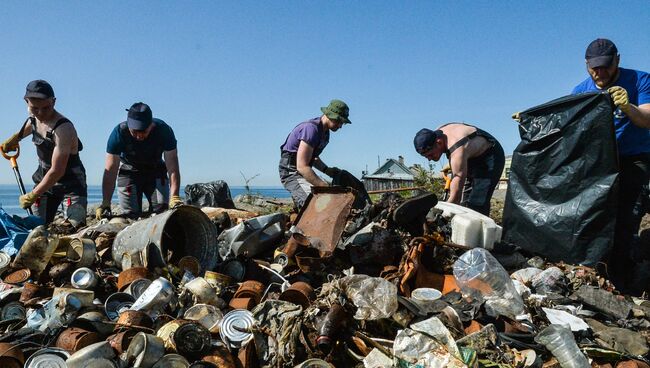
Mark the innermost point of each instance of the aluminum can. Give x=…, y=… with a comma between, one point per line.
x=84, y=278
x=156, y=296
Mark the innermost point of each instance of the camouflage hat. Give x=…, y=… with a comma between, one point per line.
x=337, y=110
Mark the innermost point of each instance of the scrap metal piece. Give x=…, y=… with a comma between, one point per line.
x=324, y=215
x=603, y=301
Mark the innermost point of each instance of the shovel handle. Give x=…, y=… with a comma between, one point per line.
x=12, y=158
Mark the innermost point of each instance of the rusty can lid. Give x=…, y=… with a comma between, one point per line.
x=4, y=260
x=235, y=327
x=18, y=276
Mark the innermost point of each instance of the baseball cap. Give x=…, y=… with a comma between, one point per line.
x=39, y=89
x=600, y=53
x=425, y=139
x=337, y=110
x=139, y=116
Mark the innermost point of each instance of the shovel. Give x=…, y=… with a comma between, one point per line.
x=13, y=160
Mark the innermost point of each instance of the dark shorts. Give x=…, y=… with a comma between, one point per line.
x=483, y=174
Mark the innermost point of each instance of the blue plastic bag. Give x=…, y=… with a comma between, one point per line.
x=14, y=231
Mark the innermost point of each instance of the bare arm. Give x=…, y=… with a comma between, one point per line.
x=171, y=161
x=64, y=137
x=639, y=115
x=110, y=175
x=320, y=165
x=304, y=155
x=458, y=162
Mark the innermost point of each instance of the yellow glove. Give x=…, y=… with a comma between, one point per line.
x=27, y=200
x=620, y=98
x=11, y=144
x=103, y=211
x=175, y=201
x=516, y=117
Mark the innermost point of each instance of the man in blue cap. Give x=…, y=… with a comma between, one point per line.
x=630, y=92
x=302, y=148
x=134, y=156
x=476, y=159
x=60, y=177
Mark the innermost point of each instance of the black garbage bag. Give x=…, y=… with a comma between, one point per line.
x=563, y=185
x=213, y=194
x=345, y=179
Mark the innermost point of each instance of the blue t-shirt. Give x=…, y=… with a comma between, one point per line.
x=632, y=140
x=310, y=131
x=141, y=155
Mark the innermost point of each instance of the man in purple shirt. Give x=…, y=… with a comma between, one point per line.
x=301, y=151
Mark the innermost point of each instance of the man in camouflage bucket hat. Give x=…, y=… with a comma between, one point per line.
x=302, y=148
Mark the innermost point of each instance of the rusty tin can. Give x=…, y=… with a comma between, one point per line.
x=300, y=293
x=72, y=339
x=30, y=291
x=10, y=354
x=134, y=319
x=221, y=357
x=250, y=289
x=121, y=340
x=127, y=276
x=242, y=303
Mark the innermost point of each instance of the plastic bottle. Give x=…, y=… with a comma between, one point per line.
x=559, y=341
x=481, y=276
x=330, y=327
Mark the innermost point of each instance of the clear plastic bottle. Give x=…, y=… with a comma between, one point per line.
x=481, y=276
x=560, y=342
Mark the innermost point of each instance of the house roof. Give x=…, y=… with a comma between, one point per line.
x=391, y=169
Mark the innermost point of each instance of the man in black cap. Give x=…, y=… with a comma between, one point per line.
x=302, y=148
x=134, y=156
x=476, y=159
x=60, y=176
x=630, y=92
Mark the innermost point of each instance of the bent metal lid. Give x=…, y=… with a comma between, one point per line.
x=235, y=327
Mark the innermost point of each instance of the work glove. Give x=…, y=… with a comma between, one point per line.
x=11, y=144
x=27, y=200
x=103, y=211
x=332, y=171
x=516, y=116
x=620, y=98
x=175, y=201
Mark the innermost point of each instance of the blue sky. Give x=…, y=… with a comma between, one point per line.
x=233, y=78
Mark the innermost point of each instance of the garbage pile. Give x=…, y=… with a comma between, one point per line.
x=340, y=284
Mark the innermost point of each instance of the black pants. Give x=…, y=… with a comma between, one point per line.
x=632, y=205
x=483, y=174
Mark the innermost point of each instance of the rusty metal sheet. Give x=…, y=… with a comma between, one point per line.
x=324, y=215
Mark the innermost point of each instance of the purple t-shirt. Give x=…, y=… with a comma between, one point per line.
x=310, y=131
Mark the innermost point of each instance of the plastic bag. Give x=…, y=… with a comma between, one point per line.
x=374, y=297
x=481, y=276
x=14, y=231
x=562, y=190
x=212, y=194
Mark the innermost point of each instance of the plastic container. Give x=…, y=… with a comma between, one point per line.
x=481, y=276
x=560, y=342
x=469, y=227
